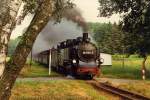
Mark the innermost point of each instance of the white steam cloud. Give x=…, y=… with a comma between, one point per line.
x=52, y=34
x=71, y=27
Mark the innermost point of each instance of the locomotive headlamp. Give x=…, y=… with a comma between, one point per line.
x=87, y=52
x=74, y=61
x=97, y=62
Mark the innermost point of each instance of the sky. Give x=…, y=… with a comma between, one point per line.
x=88, y=8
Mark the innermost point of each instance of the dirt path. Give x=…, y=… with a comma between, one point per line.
x=42, y=79
x=117, y=82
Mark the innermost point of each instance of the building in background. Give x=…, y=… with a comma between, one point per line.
x=106, y=58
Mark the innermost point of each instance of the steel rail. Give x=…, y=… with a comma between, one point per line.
x=124, y=94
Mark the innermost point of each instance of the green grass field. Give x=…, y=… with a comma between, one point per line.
x=130, y=70
x=141, y=87
x=78, y=89
x=37, y=70
x=57, y=90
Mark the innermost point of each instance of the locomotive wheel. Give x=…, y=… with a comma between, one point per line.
x=65, y=72
x=90, y=76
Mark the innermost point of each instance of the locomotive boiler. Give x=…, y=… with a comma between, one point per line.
x=78, y=57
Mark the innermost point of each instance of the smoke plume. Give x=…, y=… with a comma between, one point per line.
x=76, y=16
x=71, y=26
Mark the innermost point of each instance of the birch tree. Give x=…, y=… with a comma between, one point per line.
x=8, y=19
x=43, y=10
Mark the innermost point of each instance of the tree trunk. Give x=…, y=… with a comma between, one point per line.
x=23, y=49
x=4, y=19
x=144, y=68
x=8, y=19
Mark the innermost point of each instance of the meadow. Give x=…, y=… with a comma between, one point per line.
x=78, y=89
x=140, y=87
x=57, y=90
x=37, y=70
x=130, y=70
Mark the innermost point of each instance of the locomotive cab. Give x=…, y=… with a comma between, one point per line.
x=87, y=58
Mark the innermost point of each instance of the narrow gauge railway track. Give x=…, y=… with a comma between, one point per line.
x=123, y=94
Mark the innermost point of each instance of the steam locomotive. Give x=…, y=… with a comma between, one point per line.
x=78, y=57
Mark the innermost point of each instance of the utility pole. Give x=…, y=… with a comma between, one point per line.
x=31, y=58
x=123, y=58
x=144, y=68
x=50, y=59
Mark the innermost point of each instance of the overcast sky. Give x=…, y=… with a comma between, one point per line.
x=89, y=10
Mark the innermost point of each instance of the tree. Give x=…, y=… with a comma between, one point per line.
x=135, y=22
x=43, y=10
x=108, y=37
x=100, y=33
x=8, y=14
x=116, y=40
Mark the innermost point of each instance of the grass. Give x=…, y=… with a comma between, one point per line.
x=141, y=87
x=57, y=90
x=77, y=89
x=37, y=70
x=131, y=69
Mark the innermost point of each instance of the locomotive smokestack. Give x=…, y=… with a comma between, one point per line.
x=85, y=36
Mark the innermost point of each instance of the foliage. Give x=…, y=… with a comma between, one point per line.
x=135, y=21
x=4, y=13
x=59, y=6
x=108, y=37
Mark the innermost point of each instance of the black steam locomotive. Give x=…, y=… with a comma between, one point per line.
x=78, y=57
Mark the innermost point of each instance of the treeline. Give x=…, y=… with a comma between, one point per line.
x=109, y=37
